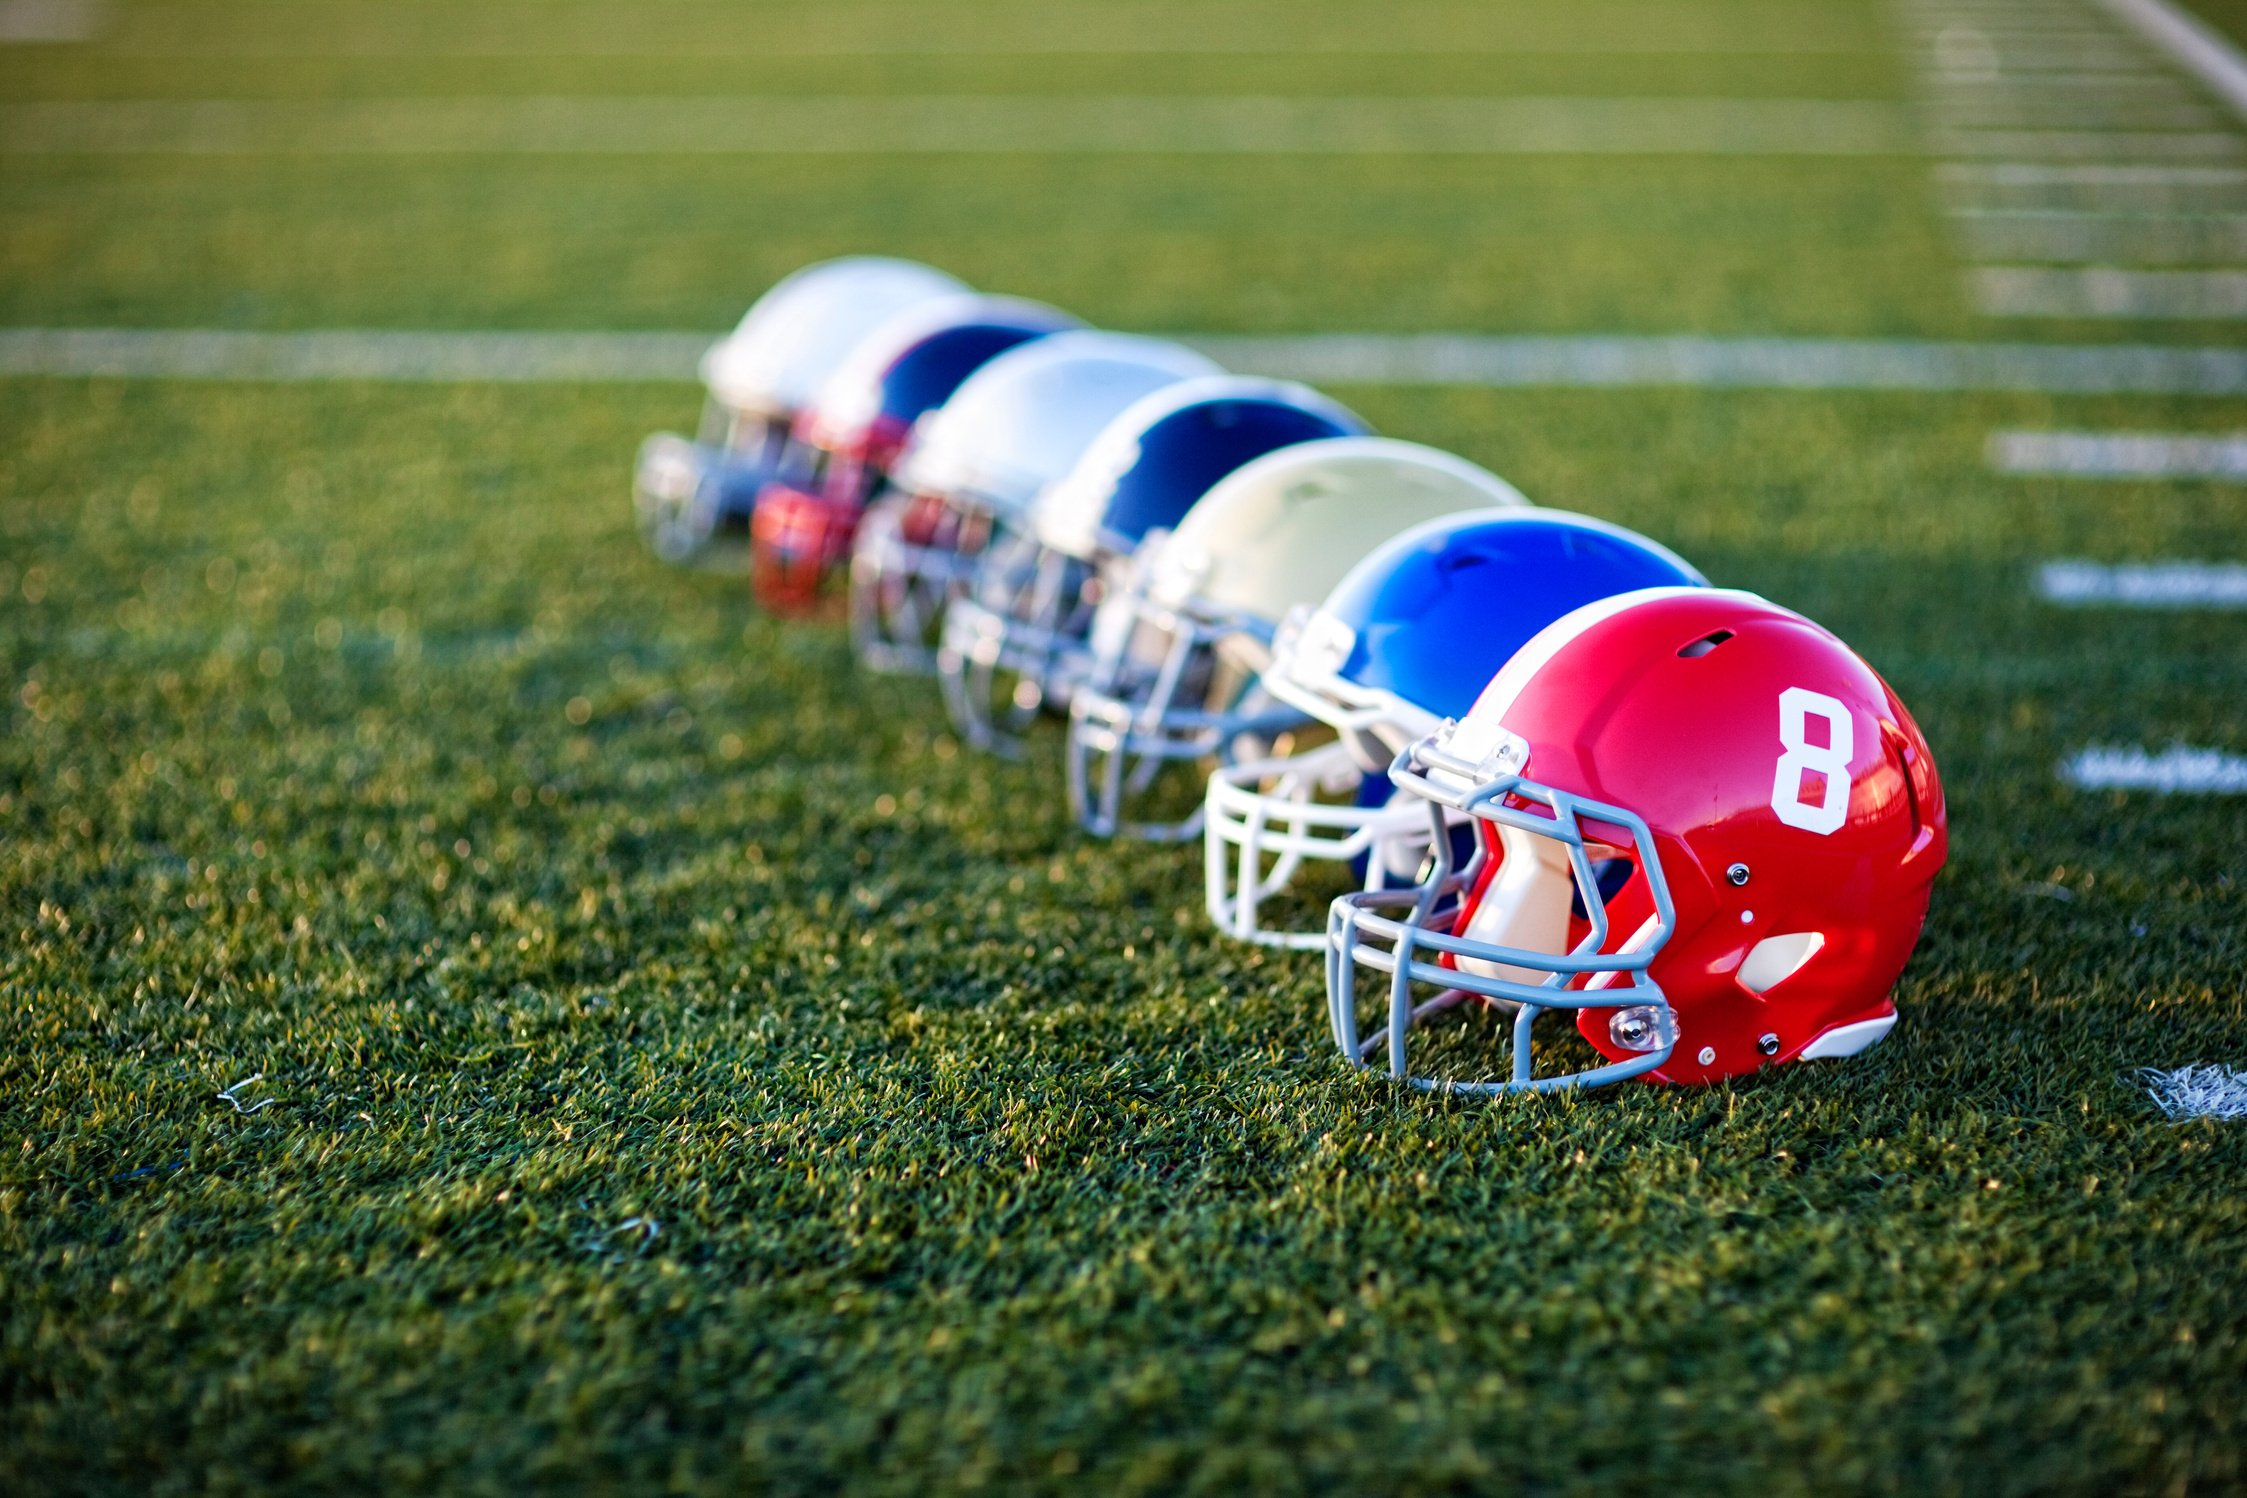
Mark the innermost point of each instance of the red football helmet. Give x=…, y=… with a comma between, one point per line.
x=1705, y=827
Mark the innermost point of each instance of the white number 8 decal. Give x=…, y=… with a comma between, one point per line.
x=1831, y=760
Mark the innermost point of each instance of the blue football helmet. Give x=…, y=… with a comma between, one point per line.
x=1408, y=639
x=1018, y=639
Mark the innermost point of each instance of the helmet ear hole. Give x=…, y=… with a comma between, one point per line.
x=1775, y=959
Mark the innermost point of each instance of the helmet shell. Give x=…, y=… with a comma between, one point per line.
x=912, y=364
x=1283, y=530
x=802, y=330
x=1155, y=460
x=1022, y=420
x=1724, y=722
x=1431, y=616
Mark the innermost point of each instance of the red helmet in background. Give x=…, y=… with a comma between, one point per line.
x=853, y=429
x=1707, y=830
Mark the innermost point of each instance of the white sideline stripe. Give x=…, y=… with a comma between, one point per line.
x=1731, y=363
x=1090, y=45
x=2144, y=585
x=350, y=354
x=2026, y=291
x=2177, y=770
x=2198, y=1091
x=1038, y=124
x=2118, y=455
x=2197, y=47
x=52, y=20
x=1589, y=361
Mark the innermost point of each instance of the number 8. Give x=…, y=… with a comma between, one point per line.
x=1831, y=760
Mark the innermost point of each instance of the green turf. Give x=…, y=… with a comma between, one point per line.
x=349, y=738
x=1228, y=244
x=974, y=1156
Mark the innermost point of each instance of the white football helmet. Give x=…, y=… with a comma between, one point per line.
x=694, y=495
x=1017, y=642
x=972, y=467
x=1176, y=655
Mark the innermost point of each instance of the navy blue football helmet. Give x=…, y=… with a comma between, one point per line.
x=1018, y=641
x=850, y=435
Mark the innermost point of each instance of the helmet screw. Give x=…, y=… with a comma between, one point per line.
x=1738, y=873
x=1768, y=1044
x=1708, y=1055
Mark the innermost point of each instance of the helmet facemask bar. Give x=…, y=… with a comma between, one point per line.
x=1262, y=821
x=1136, y=711
x=1362, y=931
x=1270, y=809
x=898, y=590
x=691, y=496
x=1016, y=643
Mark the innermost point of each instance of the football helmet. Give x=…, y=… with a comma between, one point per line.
x=1705, y=830
x=1407, y=639
x=1176, y=655
x=972, y=466
x=852, y=430
x=1017, y=641
x=693, y=495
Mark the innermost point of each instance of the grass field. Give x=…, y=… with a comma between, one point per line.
x=690, y=1069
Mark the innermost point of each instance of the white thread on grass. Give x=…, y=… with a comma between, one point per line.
x=2198, y=1091
x=228, y=1096
x=2144, y=585
x=2177, y=770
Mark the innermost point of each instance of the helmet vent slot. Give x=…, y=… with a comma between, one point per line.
x=1775, y=959
x=1705, y=644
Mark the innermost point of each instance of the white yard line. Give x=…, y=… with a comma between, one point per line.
x=2033, y=186
x=2102, y=292
x=1038, y=124
x=2144, y=585
x=350, y=354
x=2021, y=110
x=2091, y=145
x=2093, y=238
x=1592, y=361
x=2119, y=455
x=2177, y=770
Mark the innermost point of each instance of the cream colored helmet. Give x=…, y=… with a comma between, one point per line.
x=1175, y=655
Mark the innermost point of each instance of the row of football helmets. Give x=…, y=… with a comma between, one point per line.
x=1563, y=773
